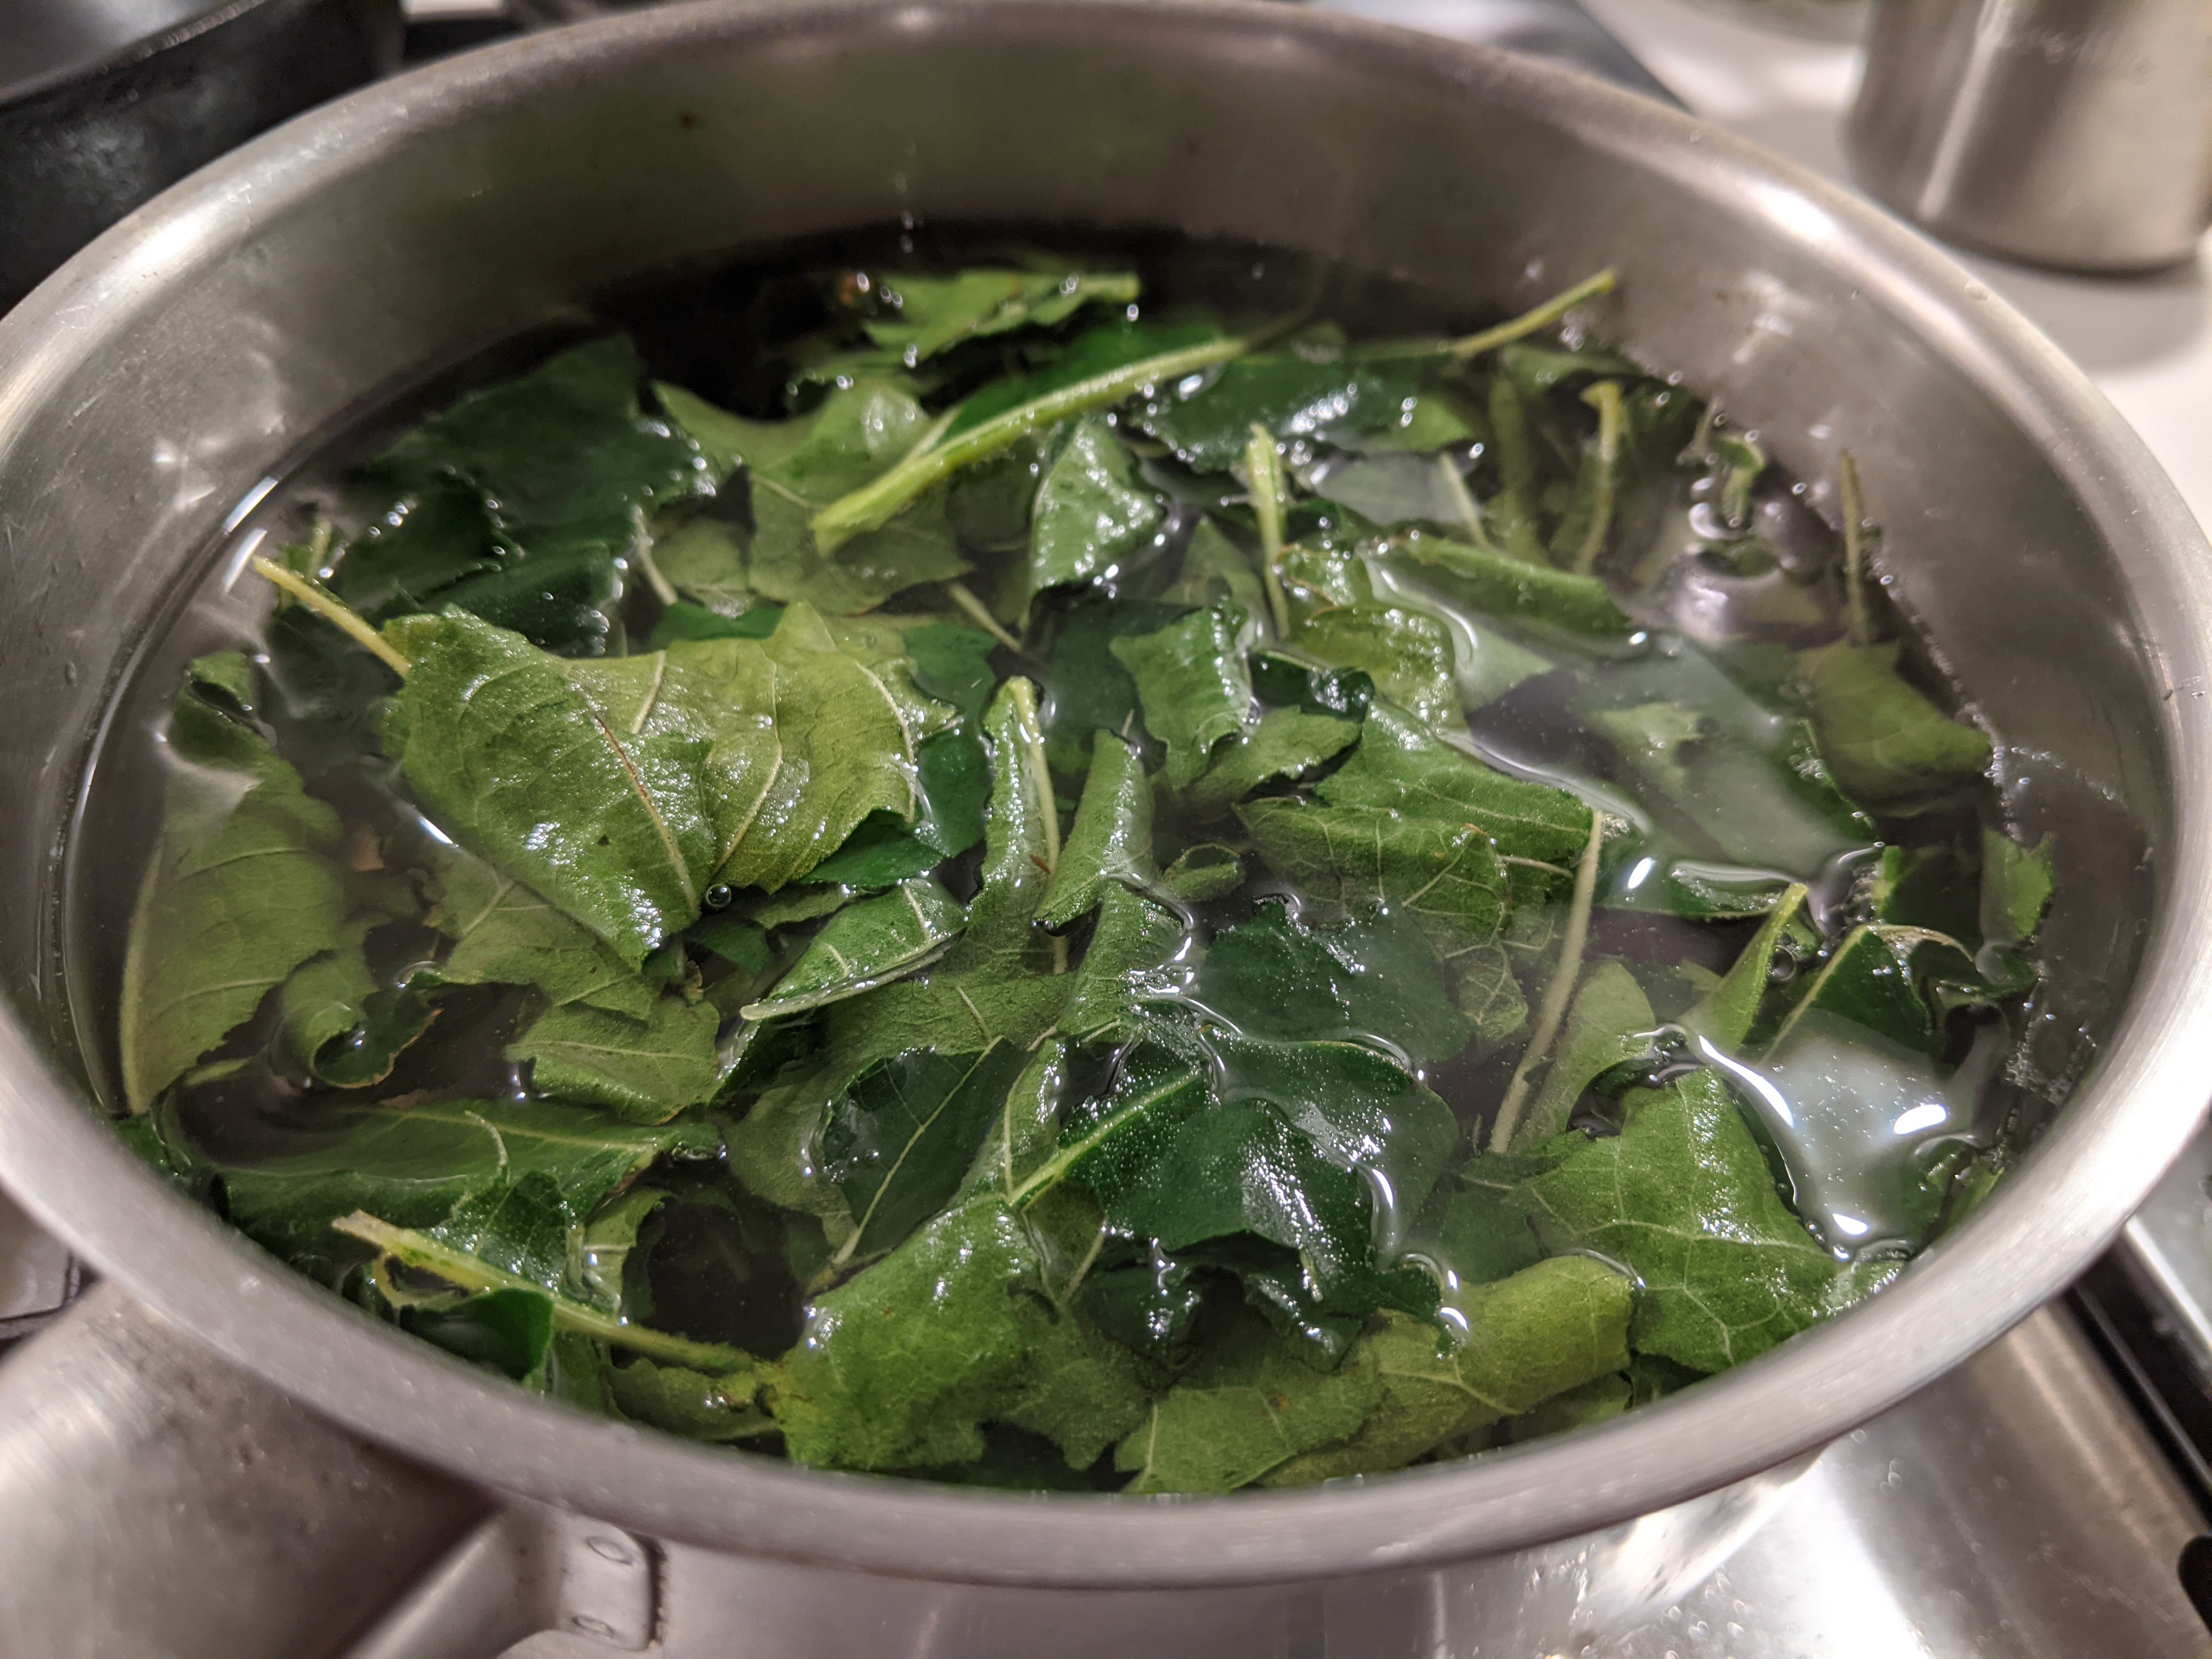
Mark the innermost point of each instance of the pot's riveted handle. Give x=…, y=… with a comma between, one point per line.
x=158, y=1502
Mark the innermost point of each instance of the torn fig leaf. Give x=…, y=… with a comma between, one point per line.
x=1194, y=683
x=241, y=890
x=899, y=1138
x=866, y=945
x=1112, y=840
x=621, y=789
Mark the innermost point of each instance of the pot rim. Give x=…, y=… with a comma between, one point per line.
x=2128, y=1117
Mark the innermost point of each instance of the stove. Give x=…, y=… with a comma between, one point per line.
x=2048, y=1500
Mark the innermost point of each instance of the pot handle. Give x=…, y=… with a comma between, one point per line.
x=155, y=1500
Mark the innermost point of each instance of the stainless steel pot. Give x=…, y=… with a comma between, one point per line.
x=147, y=389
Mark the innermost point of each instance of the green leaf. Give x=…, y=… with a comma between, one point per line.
x=1090, y=690
x=898, y=1139
x=647, y=1070
x=1728, y=1013
x=720, y=1407
x=241, y=890
x=1112, y=841
x=505, y=934
x=953, y=665
x=1250, y=1404
x=1485, y=990
x=1407, y=652
x=1897, y=982
x=601, y=1251
x=797, y=467
x=1206, y=871
x=1121, y=971
x=865, y=945
x=899, y=1366
x=2016, y=886
x=1611, y=1022
x=345, y=1024
x=516, y=503
x=1883, y=739
x=1402, y=767
x=1017, y=843
x=1215, y=567
x=621, y=789
x=1192, y=679
x=1100, y=349
x=1388, y=489
x=508, y=1331
x=1289, y=395
x=1274, y=977
x=1473, y=1235
x=930, y=313
x=415, y=1165
x=954, y=778
x=1683, y=1197
x=1550, y=1327
x=1090, y=516
x=1356, y=859
x=1292, y=682
x=705, y=560
x=1499, y=585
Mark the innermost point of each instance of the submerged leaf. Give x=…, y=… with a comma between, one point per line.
x=929, y=313
x=1611, y=1022
x=647, y=1069
x=1112, y=840
x=2016, y=887
x=1356, y=860
x=1287, y=743
x=241, y=890
x=1883, y=739
x=1192, y=679
x=1400, y=766
x=1090, y=516
x=1407, y=652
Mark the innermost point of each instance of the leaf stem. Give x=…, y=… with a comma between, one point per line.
x=1542, y=316
x=469, y=1272
x=1263, y=463
x=965, y=596
x=1605, y=398
x=1462, y=499
x=1031, y=725
x=873, y=505
x=1557, y=994
x=1859, y=624
x=660, y=584
x=334, y=610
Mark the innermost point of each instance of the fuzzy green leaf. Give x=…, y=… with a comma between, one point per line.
x=1500, y=585
x=1611, y=1022
x=1194, y=683
x=1112, y=841
x=1002, y=937
x=1549, y=1327
x=505, y=934
x=1092, y=516
x=928, y=314
x=516, y=503
x=1683, y=1197
x=899, y=1367
x=864, y=946
x=2016, y=888
x=1287, y=743
x=1401, y=766
x=1215, y=567
x=646, y=1070
x=1289, y=395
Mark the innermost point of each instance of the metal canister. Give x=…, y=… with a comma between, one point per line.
x=2074, y=133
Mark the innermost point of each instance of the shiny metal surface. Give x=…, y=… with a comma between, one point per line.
x=146, y=388
x=2167, y=1247
x=157, y=1503
x=2076, y=133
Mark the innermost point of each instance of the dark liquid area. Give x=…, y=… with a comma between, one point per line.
x=1862, y=1140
